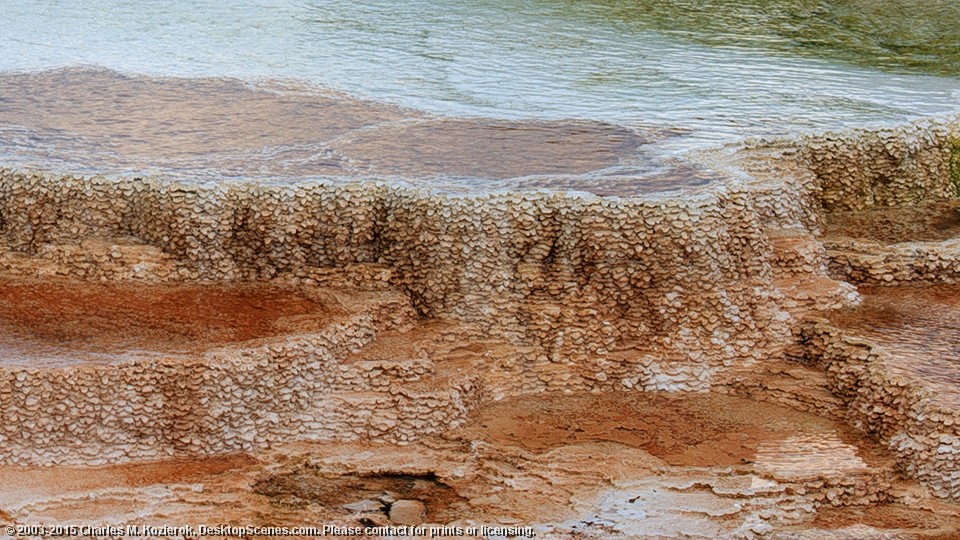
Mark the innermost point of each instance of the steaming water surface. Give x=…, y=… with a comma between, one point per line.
x=456, y=94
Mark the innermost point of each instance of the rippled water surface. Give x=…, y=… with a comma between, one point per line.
x=692, y=72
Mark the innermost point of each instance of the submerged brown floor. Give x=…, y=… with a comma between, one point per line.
x=102, y=121
x=60, y=321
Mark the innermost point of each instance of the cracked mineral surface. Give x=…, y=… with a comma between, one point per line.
x=756, y=341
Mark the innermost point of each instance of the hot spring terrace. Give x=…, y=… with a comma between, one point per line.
x=146, y=319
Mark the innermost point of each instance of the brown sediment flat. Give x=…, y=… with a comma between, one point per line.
x=932, y=221
x=105, y=122
x=918, y=325
x=698, y=430
x=42, y=321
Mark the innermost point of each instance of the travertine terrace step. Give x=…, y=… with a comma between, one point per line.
x=805, y=456
x=796, y=251
x=96, y=373
x=918, y=243
x=918, y=328
x=872, y=263
x=785, y=382
x=799, y=263
x=811, y=292
x=54, y=322
x=114, y=259
x=930, y=221
x=407, y=412
x=904, y=397
x=380, y=374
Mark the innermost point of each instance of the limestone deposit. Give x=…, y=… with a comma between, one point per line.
x=673, y=364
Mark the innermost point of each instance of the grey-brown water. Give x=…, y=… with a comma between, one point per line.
x=98, y=121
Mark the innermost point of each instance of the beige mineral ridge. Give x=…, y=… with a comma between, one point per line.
x=686, y=364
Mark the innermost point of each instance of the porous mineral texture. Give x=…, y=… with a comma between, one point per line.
x=571, y=273
x=691, y=363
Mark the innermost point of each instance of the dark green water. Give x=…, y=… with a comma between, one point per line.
x=896, y=35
